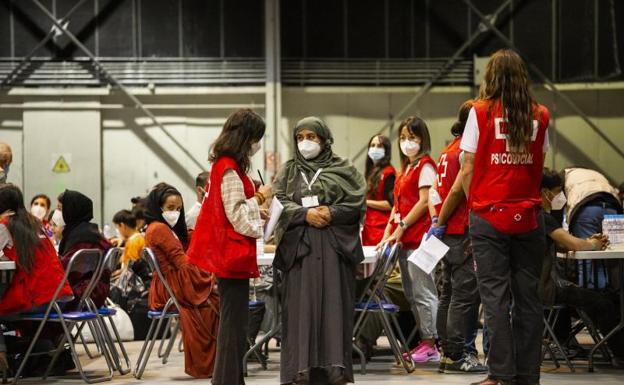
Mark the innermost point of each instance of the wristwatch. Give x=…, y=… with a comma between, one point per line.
x=402, y=225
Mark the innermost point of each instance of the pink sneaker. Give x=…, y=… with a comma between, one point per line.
x=415, y=350
x=426, y=354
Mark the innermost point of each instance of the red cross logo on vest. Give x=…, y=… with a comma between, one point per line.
x=500, y=126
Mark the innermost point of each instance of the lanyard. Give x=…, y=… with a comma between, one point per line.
x=305, y=178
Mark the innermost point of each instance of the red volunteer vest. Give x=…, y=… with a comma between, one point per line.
x=406, y=195
x=505, y=188
x=448, y=169
x=37, y=287
x=216, y=247
x=376, y=220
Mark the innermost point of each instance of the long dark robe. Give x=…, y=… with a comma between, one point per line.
x=319, y=296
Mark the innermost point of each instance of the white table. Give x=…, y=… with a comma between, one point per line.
x=370, y=255
x=7, y=265
x=5, y=268
x=613, y=254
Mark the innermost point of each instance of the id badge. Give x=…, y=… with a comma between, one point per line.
x=397, y=218
x=310, y=201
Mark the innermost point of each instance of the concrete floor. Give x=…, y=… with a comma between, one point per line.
x=381, y=370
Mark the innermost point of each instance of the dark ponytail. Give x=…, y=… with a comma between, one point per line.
x=23, y=226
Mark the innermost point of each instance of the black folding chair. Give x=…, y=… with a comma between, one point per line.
x=84, y=262
x=157, y=316
x=549, y=337
x=374, y=301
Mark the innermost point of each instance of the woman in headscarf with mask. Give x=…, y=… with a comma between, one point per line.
x=75, y=212
x=193, y=288
x=318, y=249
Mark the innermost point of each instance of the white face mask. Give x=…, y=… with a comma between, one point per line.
x=255, y=147
x=309, y=149
x=376, y=153
x=559, y=201
x=38, y=211
x=410, y=147
x=57, y=218
x=171, y=217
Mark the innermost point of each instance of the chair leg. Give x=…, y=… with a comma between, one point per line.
x=109, y=344
x=141, y=357
x=121, y=347
x=360, y=353
x=174, y=335
x=259, y=356
x=164, y=338
x=85, y=346
x=258, y=345
x=402, y=340
x=152, y=342
x=555, y=340
x=412, y=335
x=595, y=334
x=394, y=344
x=70, y=340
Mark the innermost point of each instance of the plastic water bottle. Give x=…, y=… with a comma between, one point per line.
x=108, y=231
x=260, y=247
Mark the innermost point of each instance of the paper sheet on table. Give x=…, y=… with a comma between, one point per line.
x=275, y=211
x=430, y=252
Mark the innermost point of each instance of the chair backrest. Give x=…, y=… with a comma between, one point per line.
x=111, y=259
x=152, y=261
x=86, y=262
x=390, y=261
x=386, y=261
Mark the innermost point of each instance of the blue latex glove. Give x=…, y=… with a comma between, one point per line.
x=436, y=231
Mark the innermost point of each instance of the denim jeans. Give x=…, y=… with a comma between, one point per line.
x=587, y=222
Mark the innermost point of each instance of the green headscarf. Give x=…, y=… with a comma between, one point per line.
x=339, y=183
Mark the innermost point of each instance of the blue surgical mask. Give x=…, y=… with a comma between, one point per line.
x=376, y=153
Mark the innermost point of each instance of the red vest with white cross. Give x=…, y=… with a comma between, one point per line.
x=448, y=169
x=506, y=180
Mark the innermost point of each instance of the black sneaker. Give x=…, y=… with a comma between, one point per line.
x=467, y=364
x=443, y=360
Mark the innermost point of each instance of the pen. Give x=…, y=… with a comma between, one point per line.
x=261, y=179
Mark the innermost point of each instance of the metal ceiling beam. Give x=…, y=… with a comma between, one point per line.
x=116, y=83
x=42, y=43
x=545, y=79
x=443, y=69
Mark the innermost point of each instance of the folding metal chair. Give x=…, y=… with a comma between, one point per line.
x=374, y=301
x=169, y=311
x=110, y=262
x=84, y=262
x=550, y=337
